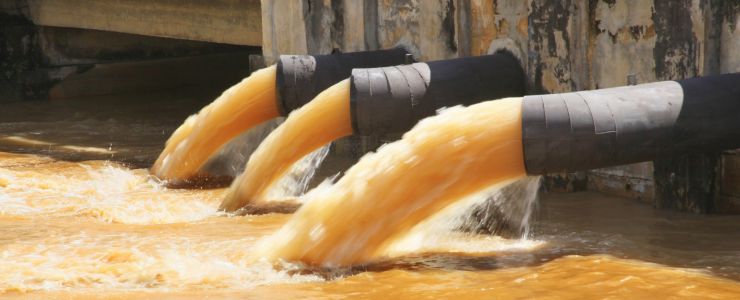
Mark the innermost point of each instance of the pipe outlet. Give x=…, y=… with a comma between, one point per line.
x=301, y=77
x=616, y=126
x=393, y=99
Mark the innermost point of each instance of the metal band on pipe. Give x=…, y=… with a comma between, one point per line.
x=393, y=99
x=301, y=77
x=615, y=126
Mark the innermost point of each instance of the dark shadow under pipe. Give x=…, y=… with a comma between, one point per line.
x=608, y=127
x=393, y=99
x=301, y=77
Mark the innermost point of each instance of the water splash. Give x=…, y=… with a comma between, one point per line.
x=127, y=261
x=102, y=191
x=296, y=181
x=505, y=211
x=306, y=129
x=241, y=107
x=455, y=229
x=386, y=194
x=230, y=160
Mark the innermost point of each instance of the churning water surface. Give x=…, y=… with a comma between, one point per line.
x=81, y=217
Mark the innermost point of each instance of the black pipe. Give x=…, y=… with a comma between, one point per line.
x=301, y=77
x=615, y=126
x=393, y=99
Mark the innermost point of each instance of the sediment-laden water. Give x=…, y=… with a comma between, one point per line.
x=311, y=127
x=81, y=217
x=241, y=107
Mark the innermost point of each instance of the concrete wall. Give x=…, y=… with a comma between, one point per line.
x=221, y=21
x=565, y=46
x=19, y=53
x=53, y=62
x=39, y=61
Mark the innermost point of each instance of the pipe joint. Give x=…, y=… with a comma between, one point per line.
x=393, y=99
x=615, y=126
x=301, y=77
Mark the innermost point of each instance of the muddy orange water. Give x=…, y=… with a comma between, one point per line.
x=81, y=218
x=441, y=160
x=241, y=107
x=321, y=121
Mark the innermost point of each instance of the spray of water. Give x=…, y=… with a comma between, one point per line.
x=231, y=158
x=296, y=181
x=507, y=209
x=504, y=211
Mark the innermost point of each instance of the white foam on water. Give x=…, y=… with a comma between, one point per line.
x=447, y=231
x=132, y=262
x=108, y=193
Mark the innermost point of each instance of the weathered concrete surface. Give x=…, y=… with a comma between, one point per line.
x=633, y=181
x=44, y=42
x=20, y=54
x=283, y=29
x=623, y=41
x=320, y=26
x=72, y=46
x=687, y=183
x=221, y=21
x=565, y=182
x=730, y=37
x=630, y=41
x=399, y=24
x=728, y=200
x=551, y=26
x=565, y=46
x=686, y=43
x=438, y=20
x=213, y=71
x=34, y=59
x=496, y=25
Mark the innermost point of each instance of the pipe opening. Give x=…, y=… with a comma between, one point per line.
x=301, y=77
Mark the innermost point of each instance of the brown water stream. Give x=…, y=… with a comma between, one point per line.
x=80, y=217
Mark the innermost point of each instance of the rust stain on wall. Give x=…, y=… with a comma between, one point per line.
x=621, y=43
x=437, y=30
x=522, y=26
x=398, y=21
x=675, y=50
x=494, y=21
x=549, y=35
x=448, y=26
x=484, y=26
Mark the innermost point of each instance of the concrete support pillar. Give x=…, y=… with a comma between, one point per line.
x=283, y=29
x=318, y=27
x=686, y=44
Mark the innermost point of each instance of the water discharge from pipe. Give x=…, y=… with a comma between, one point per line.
x=381, y=198
x=317, y=123
x=243, y=106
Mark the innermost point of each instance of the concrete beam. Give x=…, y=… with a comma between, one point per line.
x=221, y=21
x=216, y=71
